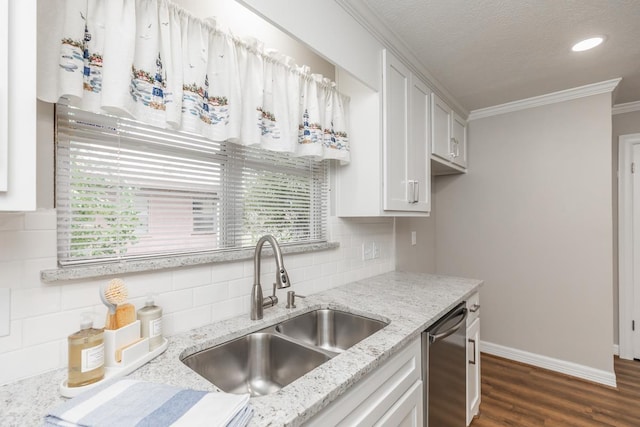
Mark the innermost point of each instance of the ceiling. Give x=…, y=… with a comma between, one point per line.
x=489, y=52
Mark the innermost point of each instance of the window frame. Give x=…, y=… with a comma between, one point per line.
x=318, y=229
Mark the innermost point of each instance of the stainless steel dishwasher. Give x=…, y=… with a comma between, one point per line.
x=444, y=368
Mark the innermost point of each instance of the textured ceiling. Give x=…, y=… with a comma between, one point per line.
x=488, y=52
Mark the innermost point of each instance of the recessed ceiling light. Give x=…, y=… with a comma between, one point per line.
x=587, y=44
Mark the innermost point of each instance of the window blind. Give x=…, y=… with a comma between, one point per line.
x=130, y=190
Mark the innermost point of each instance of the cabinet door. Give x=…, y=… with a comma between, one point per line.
x=18, y=135
x=396, y=133
x=407, y=411
x=419, y=164
x=473, y=370
x=459, y=141
x=440, y=128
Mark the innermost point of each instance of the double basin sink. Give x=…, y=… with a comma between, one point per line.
x=263, y=362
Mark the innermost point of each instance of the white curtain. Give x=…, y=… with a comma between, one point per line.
x=152, y=61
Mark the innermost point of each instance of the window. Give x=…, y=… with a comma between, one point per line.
x=129, y=190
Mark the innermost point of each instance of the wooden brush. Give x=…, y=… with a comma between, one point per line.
x=114, y=295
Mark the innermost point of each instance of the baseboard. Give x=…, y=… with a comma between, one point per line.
x=557, y=365
x=616, y=350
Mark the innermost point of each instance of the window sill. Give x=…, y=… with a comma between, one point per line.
x=137, y=266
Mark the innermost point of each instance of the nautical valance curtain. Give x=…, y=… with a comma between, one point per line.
x=152, y=61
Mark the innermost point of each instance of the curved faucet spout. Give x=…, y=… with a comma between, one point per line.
x=282, y=278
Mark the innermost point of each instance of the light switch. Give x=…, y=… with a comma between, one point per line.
x=5, y=312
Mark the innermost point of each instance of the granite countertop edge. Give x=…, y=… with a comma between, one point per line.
x=410, y=302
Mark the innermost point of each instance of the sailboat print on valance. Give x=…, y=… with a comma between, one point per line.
x=154, y=62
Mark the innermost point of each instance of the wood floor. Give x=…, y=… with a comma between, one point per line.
x=514, y=394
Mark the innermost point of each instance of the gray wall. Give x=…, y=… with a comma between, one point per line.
x=421, y=257
x=623, y=124
x=533, y=219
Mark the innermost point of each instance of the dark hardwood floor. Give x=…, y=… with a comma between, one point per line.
x=515, y=394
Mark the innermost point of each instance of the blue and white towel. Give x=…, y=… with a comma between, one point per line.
x=136, y=403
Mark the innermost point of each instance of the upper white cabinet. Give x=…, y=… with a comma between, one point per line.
x=18, y=105
x=389, y=173
x=449, y=139
x=406, y=139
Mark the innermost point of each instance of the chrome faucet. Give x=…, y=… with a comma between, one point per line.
x=258, y=303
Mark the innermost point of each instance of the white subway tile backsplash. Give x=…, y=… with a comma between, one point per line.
x=32, y=268
x=172, y=302
x=26, y=244
x=329, y=269
x=240, y=287
x=191, y=296
x=227, y=271
x=11, y=221
x=10, y=274
x=181, y=321
x=191, y=277
x=40, y=220
x=140, y=285
x=211, y=293
x=52, y=327
x=34, y=302
x=225, y=310
x=13, y=341
x=30, y=361
x=79, y=294
x=312, y=272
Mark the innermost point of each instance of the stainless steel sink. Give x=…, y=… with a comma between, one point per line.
x=330, y=330
x=263, y=362
x=258, y=363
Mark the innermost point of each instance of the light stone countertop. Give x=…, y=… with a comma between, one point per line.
x=410, y=302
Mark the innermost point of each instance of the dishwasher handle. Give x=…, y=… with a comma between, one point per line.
x=441, y=335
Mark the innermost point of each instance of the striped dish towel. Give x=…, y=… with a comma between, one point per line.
x=129, y=402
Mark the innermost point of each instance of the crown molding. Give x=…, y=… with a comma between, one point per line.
x=551, y=98
x=371, y=21
x=628, y=107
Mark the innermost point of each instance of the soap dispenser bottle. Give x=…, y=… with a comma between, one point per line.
x=86, y=354
x=150, y=317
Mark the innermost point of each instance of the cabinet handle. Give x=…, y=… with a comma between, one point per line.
x=416, y=192
x=411, y=190
x=474, y=308
x=473, y=362
x=455, y=147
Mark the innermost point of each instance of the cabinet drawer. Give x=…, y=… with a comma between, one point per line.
x=473, y=305
x=368, y=400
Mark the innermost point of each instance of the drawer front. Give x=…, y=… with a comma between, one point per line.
x=473, y=305
x=369, y=399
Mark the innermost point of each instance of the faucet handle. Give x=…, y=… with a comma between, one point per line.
x=291, y=299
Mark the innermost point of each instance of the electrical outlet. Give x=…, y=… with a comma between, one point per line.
x=376, y=250
x=367, y=251
x=5, y=312
x=414, y=238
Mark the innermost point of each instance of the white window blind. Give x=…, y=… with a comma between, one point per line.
x=129, y=190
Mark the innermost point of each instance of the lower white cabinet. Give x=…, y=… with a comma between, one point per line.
x=473, y=357
x=389, y=396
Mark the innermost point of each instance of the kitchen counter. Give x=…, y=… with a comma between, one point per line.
x=410, y=302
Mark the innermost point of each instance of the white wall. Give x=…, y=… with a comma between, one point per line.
x=421, y=257
x=330, y=31
x=242, y=22
x=533, y=219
